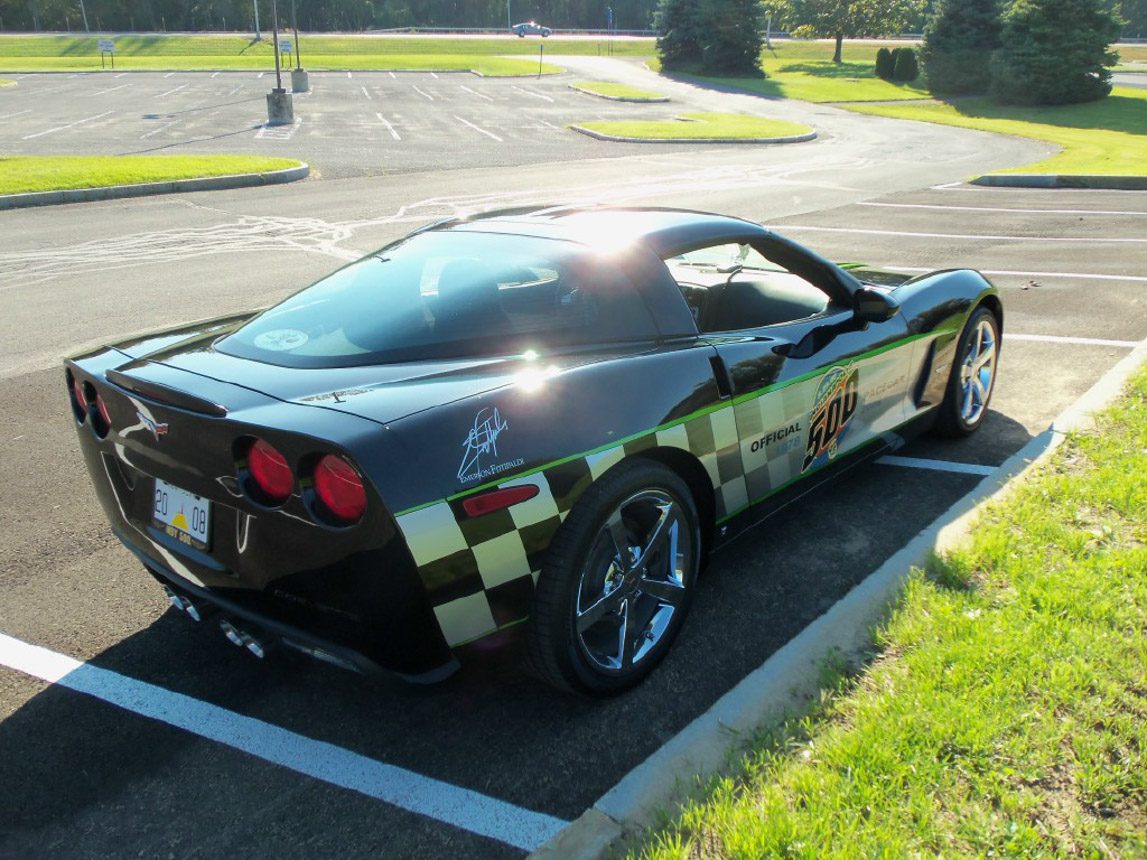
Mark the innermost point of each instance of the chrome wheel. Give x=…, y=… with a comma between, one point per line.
x=977, y=372
x=634, y=581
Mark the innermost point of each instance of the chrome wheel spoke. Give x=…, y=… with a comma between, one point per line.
x=668, y=591
x=620, y=537
x=610, y=601
x=666, y=523
x=625, y=639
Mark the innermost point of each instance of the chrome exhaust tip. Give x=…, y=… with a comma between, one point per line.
x=234, y=634
x=243, y=639
x=197, y=612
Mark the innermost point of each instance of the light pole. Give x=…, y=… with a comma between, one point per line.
x=84, y=13
x=300, y=80
x=280, y=110
x=258, y=35
x=509, y=20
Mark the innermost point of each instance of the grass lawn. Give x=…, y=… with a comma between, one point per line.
x=804, y=70
x=485, y=55
x=618, y=91
x=694, y=126
x=20, y=174
x=1103, y=137
x=1005, y=713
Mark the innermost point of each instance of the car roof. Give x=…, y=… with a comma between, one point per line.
x=660, y=230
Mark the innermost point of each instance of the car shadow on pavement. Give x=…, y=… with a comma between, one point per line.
x=490, y=728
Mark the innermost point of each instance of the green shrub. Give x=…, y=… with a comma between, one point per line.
x=906, y=67
x=678, y=25
x=1054, y=52
x=884, y=64
x=958, y=45
x=731, y=39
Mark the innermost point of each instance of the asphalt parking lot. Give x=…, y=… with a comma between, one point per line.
x=350, y=123
x=325, y=763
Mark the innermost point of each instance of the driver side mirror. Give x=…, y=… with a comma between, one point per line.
x=873, y=305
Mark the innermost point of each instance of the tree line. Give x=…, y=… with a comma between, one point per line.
x=851, y=18
x=319, y=15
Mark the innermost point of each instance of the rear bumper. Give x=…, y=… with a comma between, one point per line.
x=423, y=662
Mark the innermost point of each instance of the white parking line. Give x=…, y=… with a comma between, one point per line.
x=551, y=125
x=364, y=92
x=69, y=125
x=422, y=93
x=1012, y=272
x=235, y=90
x=279, y=132
x=393, y=75
x=535, y=95
x=169, y=92
x=433, y=75
x=17, y=113
x=348, y=75
x=121, y=74
x=1001, y=209
x=442, y=801
x=936, y=465
x=389, y=127
x=478, y=94
x=169, y=74
x=1080, y=341
x=158, y=129
x=489, y=134
x=966, y=236
x=263, y=73
x=214, y=74
x=112, y=90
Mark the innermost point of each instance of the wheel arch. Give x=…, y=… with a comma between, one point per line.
x=689, y=469
x=992, y=302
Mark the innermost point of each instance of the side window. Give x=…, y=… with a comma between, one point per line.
x=730, y=287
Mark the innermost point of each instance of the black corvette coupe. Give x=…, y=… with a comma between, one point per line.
x=545, y=417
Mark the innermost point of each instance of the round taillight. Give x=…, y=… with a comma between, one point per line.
x=105, y=422
x=340, y=489
x=270, y=472
x=79, y=400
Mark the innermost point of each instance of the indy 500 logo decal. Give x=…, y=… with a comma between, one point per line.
x=836, y=400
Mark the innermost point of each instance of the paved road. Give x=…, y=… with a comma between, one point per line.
x=94, y=780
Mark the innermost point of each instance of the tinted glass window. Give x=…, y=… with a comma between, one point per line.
x=449, y=294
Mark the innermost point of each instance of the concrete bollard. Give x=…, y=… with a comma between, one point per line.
x=300, y=81
x=280, y=110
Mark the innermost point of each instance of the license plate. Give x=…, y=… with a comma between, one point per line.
x=183, y=515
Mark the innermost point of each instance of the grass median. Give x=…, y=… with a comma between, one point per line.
x=700, y=126
x=620, y=92
x=1005, y=712
x=1105, y=137
x=24, y=174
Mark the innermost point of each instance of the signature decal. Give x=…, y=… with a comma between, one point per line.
x=482, y=441
x=157, y=428
x=836, y=400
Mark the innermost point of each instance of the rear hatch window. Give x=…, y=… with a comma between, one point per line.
x=446, y=294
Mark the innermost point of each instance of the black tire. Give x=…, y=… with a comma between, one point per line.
x=587, y=598
x=966, y=398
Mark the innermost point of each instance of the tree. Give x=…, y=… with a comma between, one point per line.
x=958, y=46
x=838, y=19
x=731, y=36
x=905, y=67
x=1054, y=52
x=678, y=25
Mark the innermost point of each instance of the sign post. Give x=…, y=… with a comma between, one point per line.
x=107, y=47
x=541, y=56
